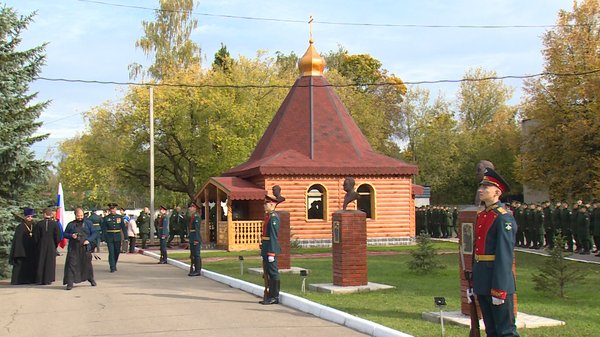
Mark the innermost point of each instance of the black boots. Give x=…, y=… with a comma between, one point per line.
x=197, y=266
x=273, y=293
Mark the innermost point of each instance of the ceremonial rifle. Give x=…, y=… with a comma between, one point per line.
x=472, y=306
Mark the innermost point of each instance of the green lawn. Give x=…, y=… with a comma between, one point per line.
x=401, y=308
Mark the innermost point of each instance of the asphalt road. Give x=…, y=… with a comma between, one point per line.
x=146, y=299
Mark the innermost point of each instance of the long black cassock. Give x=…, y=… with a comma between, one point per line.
x=78, y=265
x=47, y=236
x=23, y=255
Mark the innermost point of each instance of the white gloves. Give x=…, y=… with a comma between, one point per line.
x=497, y=301
x=469, y=295
x=271, y=258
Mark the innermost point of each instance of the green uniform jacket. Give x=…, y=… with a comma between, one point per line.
x=193, y=228
x=270, y=242
x=143, y=222
x=112, y=226
x=596, y=221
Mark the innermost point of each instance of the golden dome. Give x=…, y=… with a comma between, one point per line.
x=311, y=64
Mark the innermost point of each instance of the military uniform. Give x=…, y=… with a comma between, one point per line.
x=143, y=222
x=493, y=278
x=269, y=249
x=195, y=242
x=537, y=231
x=595, y=218
x=565, y=223
x=163, y=234
x=113, y=226
x=96, y=221
x=583, y=230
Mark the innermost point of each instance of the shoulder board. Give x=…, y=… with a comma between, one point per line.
x=501, y=210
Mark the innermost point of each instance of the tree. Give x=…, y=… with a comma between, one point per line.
x=168, y=38
x=21, y=172
x=561, y=147
x=557, y=273
x=222, y=59
x=424, y=257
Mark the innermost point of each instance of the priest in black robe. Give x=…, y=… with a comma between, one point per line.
x=78, y=264
x=23, y=251
x=47, y=236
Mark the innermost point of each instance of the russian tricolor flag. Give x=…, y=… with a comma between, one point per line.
x=60, y=215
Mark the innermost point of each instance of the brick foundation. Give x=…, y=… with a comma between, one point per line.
x=349, y=248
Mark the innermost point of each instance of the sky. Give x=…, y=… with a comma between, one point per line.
x=95, y=40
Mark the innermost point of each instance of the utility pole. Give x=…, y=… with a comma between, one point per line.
x=151, y=164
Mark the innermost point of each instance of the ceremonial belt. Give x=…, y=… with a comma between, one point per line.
x=113, y=230
x=96, y=224
x=192, y=231
x=266, y=238
x=484, y=258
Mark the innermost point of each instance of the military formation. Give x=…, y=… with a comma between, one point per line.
x=437, y=221
x=539, y=224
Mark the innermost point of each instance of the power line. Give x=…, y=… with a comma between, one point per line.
x=241, y=17
x=275, y=86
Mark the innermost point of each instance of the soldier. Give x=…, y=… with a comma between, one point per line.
x=574, y=215
x=518, y=215
x=269, y=250
x=124, y=236
x=96, y=222
x=455, y=222
x=538, y=228
x=163, y=234
x=176, y=226
x=112, y=231
x=583, y=230
x=529, y=215
x=143, y=222
x=556, y=224
x=548, y=225
x=565, y=223
x=194, y=237
x=493, y=278
x=595, y=218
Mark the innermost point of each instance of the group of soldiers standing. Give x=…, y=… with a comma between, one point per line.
x=538, y=225
x=436, y=220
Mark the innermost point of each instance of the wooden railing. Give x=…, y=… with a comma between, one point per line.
x=244, y=235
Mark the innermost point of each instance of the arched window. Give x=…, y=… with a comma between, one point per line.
x=315, y=201
x=366, y=201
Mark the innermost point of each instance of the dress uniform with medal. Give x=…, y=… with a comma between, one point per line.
x=112, y=226
x=493, y=278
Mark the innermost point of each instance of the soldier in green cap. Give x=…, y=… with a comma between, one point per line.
x=565, y=223
x=583, y=230
x=112, y=227
x=97, y=224
x=194, y=237
x=595, y=218
x=269, y=249
x=143, y=222
x=163, y=234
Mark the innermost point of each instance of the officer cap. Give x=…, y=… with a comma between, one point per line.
x=163, y=207
x=112, y=205
x=492, y=178
x=192, y=204
x=28, y=211
x=269, y=200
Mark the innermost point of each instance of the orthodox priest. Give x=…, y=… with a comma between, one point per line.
x=47, y=236
x=23, y=255
x=78, y=265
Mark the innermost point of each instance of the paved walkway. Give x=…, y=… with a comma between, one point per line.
x=146, y=299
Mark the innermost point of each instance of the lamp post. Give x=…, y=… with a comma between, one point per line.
x=440, y=302
x=241, y=258
x=304, y=275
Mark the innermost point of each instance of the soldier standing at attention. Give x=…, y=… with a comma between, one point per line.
x=596, y=225
x=194, y=237
x=565, y=222
x=163, y=234
x=143, y=222
x=493, y=279
x=583, y=230
x=269, y=250
x=112, y=229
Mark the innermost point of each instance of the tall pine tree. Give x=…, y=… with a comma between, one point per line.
x=19, y=169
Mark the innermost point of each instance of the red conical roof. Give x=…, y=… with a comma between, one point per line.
x=331, y=145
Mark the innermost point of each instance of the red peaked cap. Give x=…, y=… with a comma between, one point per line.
x=491, y=177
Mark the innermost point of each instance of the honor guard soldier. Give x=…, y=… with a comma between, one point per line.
x=194, y=238
x=493, y=278
x=163, y=234
x=269, y=250
x=112, y=228
x=97, y=223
